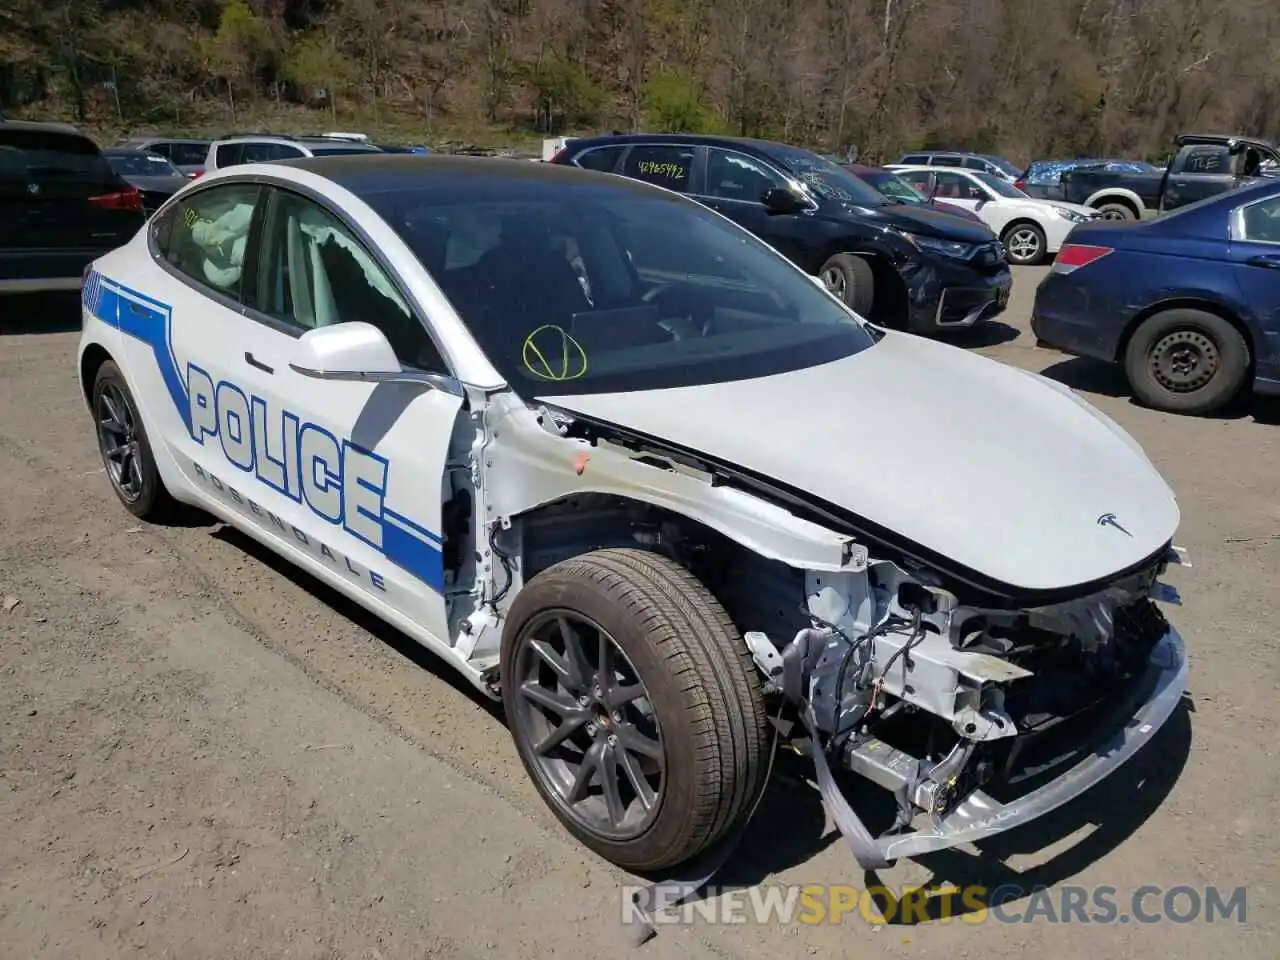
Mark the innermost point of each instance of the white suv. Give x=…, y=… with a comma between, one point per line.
x=233, y=151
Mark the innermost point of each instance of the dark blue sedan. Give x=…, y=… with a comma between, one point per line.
x=1188, y=303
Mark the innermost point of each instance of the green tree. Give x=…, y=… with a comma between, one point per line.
x=563, y=92
x=237, y=50
x=314, y=63
x=672, y=104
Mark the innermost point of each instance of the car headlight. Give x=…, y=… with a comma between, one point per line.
x=946, y=248
x=1072, y=215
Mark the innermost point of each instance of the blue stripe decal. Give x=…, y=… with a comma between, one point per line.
x=413, y=554
x=405, y=542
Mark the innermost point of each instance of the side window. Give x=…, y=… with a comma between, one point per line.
x=162, y=149
x=599, y=158
x=943, y=161
x=977, y=163
x=313, y=272
x=734, y=176
x=229, y=155
x=207, y=235
x=1262, y=221
x=918, y=179
x=667, y=165
x=190, y=154
x=264, y=152
x=955, y=186
x=922, y=158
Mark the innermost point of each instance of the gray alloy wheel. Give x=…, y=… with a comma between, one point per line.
x=596, y=739
x=1024, y=244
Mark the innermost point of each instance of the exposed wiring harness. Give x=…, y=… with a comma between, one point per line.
x=506, y=567
x=851, y=647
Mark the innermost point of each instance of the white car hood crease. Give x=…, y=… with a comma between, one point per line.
x=992, y=468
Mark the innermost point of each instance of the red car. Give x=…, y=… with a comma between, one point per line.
x=889, y=184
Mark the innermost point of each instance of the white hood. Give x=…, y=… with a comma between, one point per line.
x=990, y=466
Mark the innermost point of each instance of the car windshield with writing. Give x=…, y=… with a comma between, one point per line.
x=828, y=181
x=598, y=289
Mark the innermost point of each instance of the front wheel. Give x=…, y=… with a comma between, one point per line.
x=1186, y=361
x=850, y=278
x=1024, y=244
x=635, y=706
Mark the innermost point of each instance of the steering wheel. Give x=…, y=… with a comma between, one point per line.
x=685, y=324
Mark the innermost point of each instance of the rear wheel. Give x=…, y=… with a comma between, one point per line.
x=125, y=447
x=635, y=706
x=1186, y=361
x=1116, y=211
x=851, y=279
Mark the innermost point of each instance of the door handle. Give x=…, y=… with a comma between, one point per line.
x=1269, y=260
x=253, y=361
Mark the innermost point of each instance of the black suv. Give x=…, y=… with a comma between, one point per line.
x=898, y=265
x=61, y=207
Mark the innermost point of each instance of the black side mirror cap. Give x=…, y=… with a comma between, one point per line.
x=781, y=200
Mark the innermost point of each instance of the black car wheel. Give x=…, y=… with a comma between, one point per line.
x=635, y=706
x=125, y=448
x=1116, y=211
x=851, y=279
x=1186, y=361
x=1024, y=244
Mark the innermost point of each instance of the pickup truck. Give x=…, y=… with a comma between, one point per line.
x=1204, y=165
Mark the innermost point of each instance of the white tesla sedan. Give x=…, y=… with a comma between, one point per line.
x=1032, y=230
x=626, y=468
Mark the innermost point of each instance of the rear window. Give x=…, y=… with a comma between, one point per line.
x=40, y=156
x=340, y=151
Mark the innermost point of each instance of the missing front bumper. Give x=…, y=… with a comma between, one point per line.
x=980, y=815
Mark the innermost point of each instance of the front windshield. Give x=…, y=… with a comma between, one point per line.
x=828, y=180
x=893, y=186
x=597, y=290
x=1000, y=187
x=141, y=165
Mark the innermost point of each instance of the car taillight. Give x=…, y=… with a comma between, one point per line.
x=560, y=155
x=195, y=174
x=1073, y=256
x=127, y=199
x=1020, y=184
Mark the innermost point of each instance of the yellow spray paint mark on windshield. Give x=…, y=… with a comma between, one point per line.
x=551, y=353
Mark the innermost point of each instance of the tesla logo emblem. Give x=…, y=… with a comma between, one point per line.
x=33, y=188
x=1109, y=520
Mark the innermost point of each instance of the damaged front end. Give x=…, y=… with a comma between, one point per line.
x=975, y=720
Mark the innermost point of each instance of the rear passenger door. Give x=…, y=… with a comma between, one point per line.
x=61, y=205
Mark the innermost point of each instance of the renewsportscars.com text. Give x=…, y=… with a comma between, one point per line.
x=817, y=904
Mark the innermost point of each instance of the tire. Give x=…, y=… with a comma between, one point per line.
x=1024, y=244
x=702, y=704
x=133, y=474
x=851, y=279
x=1116, y=211
x=1186, y=361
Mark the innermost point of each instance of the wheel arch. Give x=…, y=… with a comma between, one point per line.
x=759, y=592
x=891, y=296
x=1206, y=304
x=92, y=358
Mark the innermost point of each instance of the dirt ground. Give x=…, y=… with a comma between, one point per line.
x=205, y=754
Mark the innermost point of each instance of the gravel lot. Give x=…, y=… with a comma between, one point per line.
x=205, y=754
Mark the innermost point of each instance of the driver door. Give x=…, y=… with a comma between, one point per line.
x=734, y=185
x=357, y=469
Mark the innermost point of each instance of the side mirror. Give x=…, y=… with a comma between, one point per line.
x=781, y=200
x=357, y=351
